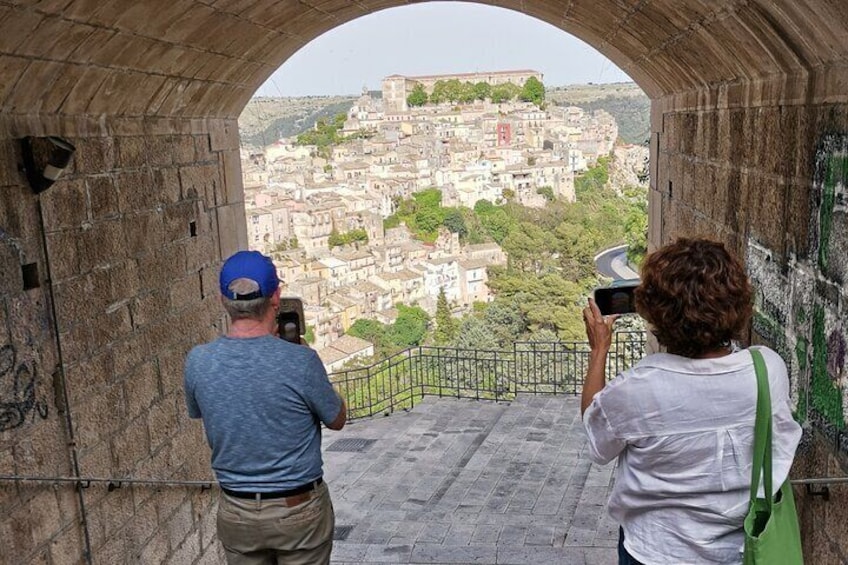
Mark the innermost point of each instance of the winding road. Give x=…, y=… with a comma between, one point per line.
x=613, y=263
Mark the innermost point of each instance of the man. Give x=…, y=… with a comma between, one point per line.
x=262, y=400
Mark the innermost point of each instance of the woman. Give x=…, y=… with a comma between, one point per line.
x=682, y=422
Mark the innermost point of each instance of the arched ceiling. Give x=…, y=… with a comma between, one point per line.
x=193, y=58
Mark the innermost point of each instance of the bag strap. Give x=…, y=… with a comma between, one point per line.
x=762, y=432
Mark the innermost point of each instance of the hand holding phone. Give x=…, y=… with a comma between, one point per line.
x=291, y=324
x=617, y=298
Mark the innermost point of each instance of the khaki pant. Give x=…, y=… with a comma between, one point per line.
x=270, y=533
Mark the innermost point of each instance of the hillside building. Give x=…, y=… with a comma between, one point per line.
x=396, y=88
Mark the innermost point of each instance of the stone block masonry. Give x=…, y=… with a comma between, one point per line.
x=774, y=191
x=132, y=249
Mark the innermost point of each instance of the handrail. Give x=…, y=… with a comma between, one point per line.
x=114, y=482
x=398, y=381
x=819, y=481
x=120, y=481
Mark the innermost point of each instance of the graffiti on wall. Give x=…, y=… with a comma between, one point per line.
x=17, y=391
x=19, y=398
x=801, y=302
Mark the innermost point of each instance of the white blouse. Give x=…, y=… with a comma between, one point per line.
x=683, y=430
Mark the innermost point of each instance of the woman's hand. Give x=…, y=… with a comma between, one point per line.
x=598, y=327
x=599, y=332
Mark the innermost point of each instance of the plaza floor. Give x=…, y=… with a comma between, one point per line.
x=464, y=481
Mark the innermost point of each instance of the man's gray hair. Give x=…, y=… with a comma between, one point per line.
x=246, y=309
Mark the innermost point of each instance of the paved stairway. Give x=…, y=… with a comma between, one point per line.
x=464, y=481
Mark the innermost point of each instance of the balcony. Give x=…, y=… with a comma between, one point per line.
x=484, y=463
x=400, y=381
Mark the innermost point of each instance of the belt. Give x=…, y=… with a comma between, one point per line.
x=308, y=487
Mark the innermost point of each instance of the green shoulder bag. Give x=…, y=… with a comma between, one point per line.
x=772, y=535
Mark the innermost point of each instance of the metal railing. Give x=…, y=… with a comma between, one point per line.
x=399, y=381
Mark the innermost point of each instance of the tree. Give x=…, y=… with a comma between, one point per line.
x=445, y=326
x=593, y=180
x=453, y=90
x=325, y=133
x=547, y=301
x=473, y=333
x=392, y=221
x=335, y=239
x=499, y=94
x=547, y=192
x=371, y=331
x=439, y=93
x=505, y=321
x=418, y=96
x=455, y=222
x=533, y=91
x=636, y=235
x=428, y=219
x=357, y=235
x=504, y=92
x=497, y=223
x=483, y=206
x=531, y=248
x=544, y=335
x=482, y=90
x=467, y=93
x=410, y=326
x=431, y=197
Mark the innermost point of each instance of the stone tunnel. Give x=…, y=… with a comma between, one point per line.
x=108, y=277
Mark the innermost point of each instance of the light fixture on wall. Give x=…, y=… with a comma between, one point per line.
x=45, y=159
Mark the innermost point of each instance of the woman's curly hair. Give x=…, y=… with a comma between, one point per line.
x=695, y=295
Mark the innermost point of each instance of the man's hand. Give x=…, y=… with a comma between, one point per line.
x=341, y=419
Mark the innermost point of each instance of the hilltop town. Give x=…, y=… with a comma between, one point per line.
x=318, y=207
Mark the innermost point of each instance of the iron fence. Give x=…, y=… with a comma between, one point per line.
x=399, y=381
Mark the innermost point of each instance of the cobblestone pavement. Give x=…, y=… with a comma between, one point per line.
x=464, y=481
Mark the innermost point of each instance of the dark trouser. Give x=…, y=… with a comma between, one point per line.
x=624, y=558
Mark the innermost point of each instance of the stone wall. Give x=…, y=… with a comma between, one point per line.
x=134, y=234
x=770, y=181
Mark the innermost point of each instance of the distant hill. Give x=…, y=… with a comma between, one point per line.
x=265, y=120
x=624, y=100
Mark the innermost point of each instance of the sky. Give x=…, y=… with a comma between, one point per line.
x=436, y=38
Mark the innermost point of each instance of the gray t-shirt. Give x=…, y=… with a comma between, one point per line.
x=262, y=400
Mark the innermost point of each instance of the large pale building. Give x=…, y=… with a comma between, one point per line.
x=397, y=87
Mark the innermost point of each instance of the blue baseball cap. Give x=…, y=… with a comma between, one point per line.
x=249, y=265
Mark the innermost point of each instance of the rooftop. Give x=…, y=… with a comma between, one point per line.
x=465, y=481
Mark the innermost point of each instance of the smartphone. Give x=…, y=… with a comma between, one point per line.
x=291, y=324
x=616, y=298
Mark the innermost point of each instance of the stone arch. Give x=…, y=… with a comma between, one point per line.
x=749, y=121
x=183, y=60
